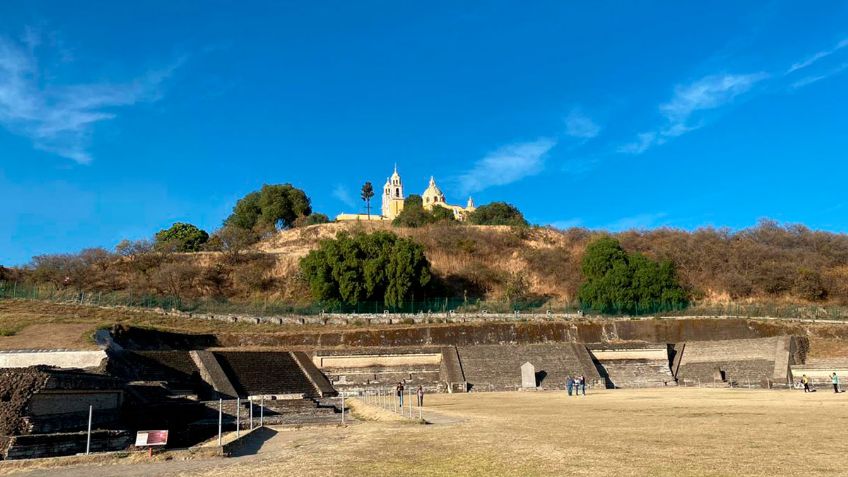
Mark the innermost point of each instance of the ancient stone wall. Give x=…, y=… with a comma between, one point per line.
x=596, y=331
x=51, y=445
x=497, y=367
x=739, y=361
x=360, y=369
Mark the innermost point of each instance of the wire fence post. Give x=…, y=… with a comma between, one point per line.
x=262, y=411
x=250, y=413
x=88, y=437
x=220, y=419
x=343, y=408
x=238, y=417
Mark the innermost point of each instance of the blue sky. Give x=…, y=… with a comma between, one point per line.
x=117, y=119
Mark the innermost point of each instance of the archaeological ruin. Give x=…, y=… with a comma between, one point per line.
x=145, y=379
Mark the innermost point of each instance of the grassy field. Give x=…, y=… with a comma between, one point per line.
x=654, y=432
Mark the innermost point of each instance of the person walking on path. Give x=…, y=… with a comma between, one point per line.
x=569, y=384
x=583, y=384
x=399, y=391
x=420, y=396
x=835, y=380
x=806, y=382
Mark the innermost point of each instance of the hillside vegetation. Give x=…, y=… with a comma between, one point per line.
x=767, y=262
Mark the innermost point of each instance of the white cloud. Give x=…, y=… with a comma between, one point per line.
x=816, y=57
x=808, y=80
x=342, y=194
x=581, y=126
x=637, y=222
x=709, y=92
x=506, y=165
x=60, y=118
x=642, y=143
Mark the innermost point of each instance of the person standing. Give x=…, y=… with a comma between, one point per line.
x=420, y=396
x=834, y=379
x=583, y=383
x=399, y=391
x=806, y=382
x=569, y=384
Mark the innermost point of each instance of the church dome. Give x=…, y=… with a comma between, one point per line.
x=433, y=195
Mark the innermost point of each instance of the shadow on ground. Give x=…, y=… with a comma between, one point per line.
x=251, y=443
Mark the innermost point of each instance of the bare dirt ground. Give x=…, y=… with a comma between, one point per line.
x=654, y=432
x=55, y=336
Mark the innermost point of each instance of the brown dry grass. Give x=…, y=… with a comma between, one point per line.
x=71, y=326
x=655, y=432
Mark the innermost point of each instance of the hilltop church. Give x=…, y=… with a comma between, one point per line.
x=393, y=200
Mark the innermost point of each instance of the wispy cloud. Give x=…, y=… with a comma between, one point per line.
x=637, y=222
x=808, y=80
x=581, y=126
x=816, y=57
x=343, y=195
x=641, y=144
x=709, y=92
x=506, y=165
x=60, y=118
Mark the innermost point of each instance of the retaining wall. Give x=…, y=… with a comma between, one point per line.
x=57, y=358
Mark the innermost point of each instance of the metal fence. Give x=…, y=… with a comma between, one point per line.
x=49, y=292
x=405, y=404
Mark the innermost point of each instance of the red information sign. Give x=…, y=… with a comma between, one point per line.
x=151, y=438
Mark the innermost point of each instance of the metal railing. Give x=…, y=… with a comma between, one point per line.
x=406, y=404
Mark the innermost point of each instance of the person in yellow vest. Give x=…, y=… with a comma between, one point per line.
x=806, y=382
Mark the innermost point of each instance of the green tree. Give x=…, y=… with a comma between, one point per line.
x=363, y=267
x=413, y=213
x=367, y=194
x=627, y=283
x=182, y=237
x=232, y=240
x=271, y=208
x=440, y=214
x=497, y=213
x=311, y=219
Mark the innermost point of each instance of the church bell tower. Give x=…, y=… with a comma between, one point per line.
x=393, y=196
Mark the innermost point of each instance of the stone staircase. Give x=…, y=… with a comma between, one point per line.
x=742, y=362
x=497, y=367
x=256, y=373
x=633, y=366
x=277, y=412
x=353, y=380
x=638, y=373
x=739, y=373
x=353, y=371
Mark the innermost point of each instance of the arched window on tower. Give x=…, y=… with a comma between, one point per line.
x=397, y=192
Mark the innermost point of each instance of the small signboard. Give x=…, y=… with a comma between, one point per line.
x=151, y=438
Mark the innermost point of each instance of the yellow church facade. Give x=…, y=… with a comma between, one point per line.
x=393, y=199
